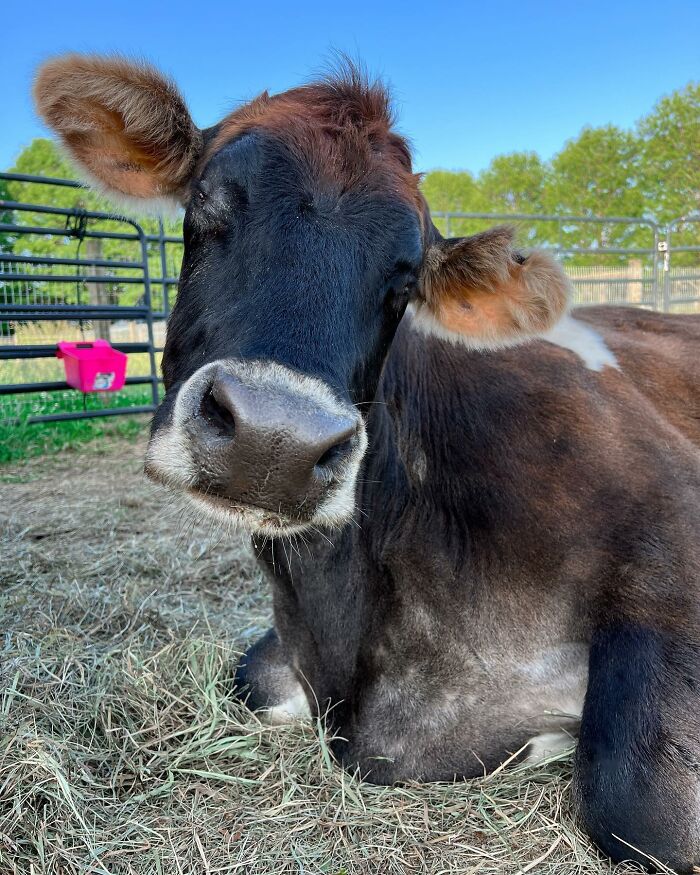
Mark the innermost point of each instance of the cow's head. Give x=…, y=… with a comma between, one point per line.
x=306, y=238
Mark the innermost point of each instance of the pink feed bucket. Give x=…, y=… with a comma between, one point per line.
x=93, y=366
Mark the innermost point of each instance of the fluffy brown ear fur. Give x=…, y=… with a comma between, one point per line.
x=125, y=125
x=477, y=291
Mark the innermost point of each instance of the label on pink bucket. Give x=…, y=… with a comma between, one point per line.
x=103, y=381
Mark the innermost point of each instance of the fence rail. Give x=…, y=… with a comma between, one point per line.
x=70, y=270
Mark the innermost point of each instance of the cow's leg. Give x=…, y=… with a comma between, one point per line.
x=638, y=760
x=267, y=683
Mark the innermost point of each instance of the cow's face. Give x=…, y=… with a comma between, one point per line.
x=293, y=283
x=305, y=240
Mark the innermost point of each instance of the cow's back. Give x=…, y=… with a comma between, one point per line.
x=659, y=353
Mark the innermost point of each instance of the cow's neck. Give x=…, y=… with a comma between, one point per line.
x=333, y=590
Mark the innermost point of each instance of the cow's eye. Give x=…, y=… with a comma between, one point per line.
x=238, y=195
x=400, y=287
x=201, y=192
x=403, y=280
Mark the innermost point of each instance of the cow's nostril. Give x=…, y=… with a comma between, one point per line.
x=335, y=454
x=217, y=415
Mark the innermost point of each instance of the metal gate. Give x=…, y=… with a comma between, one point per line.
x=681, y=265
x=76, y=290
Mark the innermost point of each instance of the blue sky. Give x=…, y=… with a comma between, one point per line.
x=471, y=80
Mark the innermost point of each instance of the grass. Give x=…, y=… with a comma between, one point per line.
x=122, y=749
x=21, y=440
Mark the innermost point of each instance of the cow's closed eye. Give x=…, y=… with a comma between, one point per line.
x=212, y=208
x=401, y=283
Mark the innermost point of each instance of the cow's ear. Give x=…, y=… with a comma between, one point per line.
x=478, y=291
x=123, y=123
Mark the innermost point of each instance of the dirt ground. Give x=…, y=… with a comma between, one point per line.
x=122, y=750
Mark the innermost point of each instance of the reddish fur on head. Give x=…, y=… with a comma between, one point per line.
x=340, y=125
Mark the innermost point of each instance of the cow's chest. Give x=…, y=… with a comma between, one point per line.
x=445, y=706
x=428, y=676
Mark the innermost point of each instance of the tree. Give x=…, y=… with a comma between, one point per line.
x=43, y=158
x=516, y=183
x=6, y=218
x=597, y=174
x=670, y=174
x=670, y=147
x=453, y=192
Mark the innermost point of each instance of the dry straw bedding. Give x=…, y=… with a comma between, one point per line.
x=122, y=751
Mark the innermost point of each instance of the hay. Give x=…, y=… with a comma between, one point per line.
x=122, y=751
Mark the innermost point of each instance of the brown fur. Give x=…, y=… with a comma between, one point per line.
x=122, y=121
x=477, y=287
x=659, y=353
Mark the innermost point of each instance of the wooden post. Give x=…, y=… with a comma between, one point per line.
x=97, y=292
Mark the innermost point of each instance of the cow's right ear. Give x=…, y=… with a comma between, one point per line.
x=123, y=123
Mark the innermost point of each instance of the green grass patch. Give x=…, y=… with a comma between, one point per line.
x=21, y=440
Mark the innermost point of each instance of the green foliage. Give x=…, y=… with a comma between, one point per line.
x=670, y=150
x=596, y=174
x=651, y=172
x=514, y=183
x=453, y=193
x=670, y=166
x=6, y=217
x=18, y=440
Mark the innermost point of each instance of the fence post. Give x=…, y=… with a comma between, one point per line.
x=165, y=288
x=97, y=292
x=148, y=301
x=665, y=250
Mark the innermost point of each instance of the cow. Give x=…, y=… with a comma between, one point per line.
x=477, y=508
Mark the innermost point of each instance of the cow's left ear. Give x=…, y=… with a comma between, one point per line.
x=478, y=291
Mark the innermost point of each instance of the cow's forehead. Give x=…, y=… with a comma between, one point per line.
x=342, y=128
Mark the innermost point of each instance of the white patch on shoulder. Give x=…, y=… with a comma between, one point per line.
x=296, y=707
x=547, y=745
x=583, y=340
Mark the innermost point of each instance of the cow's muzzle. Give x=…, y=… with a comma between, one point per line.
x=261, y=444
